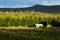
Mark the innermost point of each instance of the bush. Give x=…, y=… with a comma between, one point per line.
x=55, y=23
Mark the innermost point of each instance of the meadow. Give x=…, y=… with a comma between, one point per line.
x=28, y=19
x=29, y=34
x=20, y=26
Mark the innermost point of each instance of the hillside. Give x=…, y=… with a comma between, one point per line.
x=38, y=8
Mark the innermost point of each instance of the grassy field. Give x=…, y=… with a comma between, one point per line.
x=20, y=26
x=29, y=34
x=28, y=18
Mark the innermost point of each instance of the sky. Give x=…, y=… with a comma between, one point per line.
x=26, y=3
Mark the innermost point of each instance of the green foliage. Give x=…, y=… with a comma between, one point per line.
x=28, y=18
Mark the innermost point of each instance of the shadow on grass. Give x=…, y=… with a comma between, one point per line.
x=27, y=34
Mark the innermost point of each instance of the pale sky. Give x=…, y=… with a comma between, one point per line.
x=26, y=3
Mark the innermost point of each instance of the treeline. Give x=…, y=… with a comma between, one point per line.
x=28, y=19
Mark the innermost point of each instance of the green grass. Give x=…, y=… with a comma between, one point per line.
x=28, y=18
x=10, y=23
x=29, y=34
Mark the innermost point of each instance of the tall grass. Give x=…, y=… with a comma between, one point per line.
x=28, y=18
